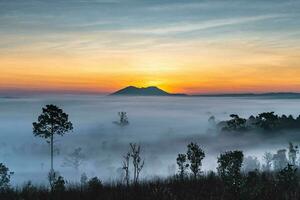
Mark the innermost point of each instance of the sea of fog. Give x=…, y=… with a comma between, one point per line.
x=162, y=125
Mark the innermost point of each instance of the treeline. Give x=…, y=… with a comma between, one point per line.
x=234, y=179
x=267, y=121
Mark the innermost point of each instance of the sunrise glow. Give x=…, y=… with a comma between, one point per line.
x=255, y=51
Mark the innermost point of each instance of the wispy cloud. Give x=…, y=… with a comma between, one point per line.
x=179, y=6
x=184, y=27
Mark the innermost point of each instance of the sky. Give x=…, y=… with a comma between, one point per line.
x=194, y=47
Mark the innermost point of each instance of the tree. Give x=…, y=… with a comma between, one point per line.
x=288, y=181
x=4, y=176
x=126, y=168
x=94, y=186
x=74, y=159
x=182, y=164
x=195, y=155
x=229, y=169
x=279, y=160
x=59, y=184
x=251, y=163
x=83, y=180
x=235, y=124
x=52, y=121
x=53, y=177
x=212, y=121
x=268, y=120
x=293, y=151
x=268, y=157
x=123, y=119
x=137, y=162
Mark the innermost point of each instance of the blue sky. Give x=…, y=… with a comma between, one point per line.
x=154, y=19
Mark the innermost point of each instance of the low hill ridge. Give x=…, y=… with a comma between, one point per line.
x=143, y=91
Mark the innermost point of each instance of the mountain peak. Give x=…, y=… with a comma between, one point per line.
x=143, y=91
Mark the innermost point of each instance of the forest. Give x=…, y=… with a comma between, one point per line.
x=265, y=122
x=236, y=177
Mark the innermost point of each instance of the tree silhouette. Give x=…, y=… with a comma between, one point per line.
x=288, y=181
x=125, y=167
x=83, y=179
x=52, y=121
x=235, y=124
x=229, y=169
x=94, y=186
x=123, y=121
x=195, y=155
x=4, y=176
x=182, y=164
x=268, y=120
x=137, y=162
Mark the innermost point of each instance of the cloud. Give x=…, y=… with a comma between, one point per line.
x=179, y=6
x=184, y=27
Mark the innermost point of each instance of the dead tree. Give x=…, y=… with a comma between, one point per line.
x=126, y=168
x=137, y=162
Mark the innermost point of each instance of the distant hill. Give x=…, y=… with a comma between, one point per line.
x=155, y=91
x=275, y=95
x=147, y=91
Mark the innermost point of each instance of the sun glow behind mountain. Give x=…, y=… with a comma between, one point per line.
x=179, y=47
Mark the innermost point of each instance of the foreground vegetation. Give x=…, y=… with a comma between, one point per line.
x=234, y=180
x=254, y=185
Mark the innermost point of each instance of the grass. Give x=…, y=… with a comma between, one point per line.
x=253, y=186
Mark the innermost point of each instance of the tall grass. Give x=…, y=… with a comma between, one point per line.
x=255, y=186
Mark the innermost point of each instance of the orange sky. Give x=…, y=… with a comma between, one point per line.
x=179, y=47
x=196, y=69
x=200, y=71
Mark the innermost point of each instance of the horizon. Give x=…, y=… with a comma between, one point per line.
x=12, y=93
x=186, y=47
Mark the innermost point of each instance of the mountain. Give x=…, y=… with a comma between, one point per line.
x=275, y=95
x=155, y=91
x=147, y=91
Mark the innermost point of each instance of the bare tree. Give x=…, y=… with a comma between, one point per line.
x=126, y=168
x=138, y=164
x=74, y=159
